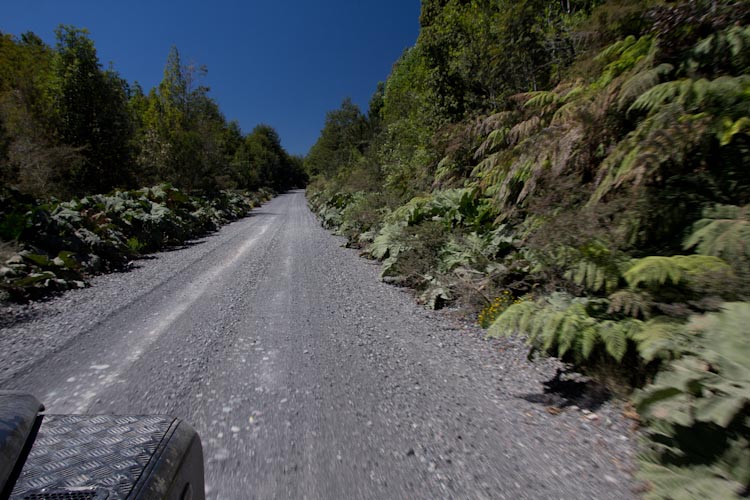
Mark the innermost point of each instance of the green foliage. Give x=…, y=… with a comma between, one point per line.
x=724, y=92
x=341, y=141
x=566, y=327
x=678, y=269
x=69, y=127
x=260, y=160
x=476, y=251
x=727, y=49
x=724, y=232
x=595, y=266
x=435, y=294
x=623, y=56
x=498, y=306
x=80, y=90
x=733, y=128
x=388, y=242
x=66, y=241
x=661, y=338
x=699, y=412
x=593, y=276
x=632, y=303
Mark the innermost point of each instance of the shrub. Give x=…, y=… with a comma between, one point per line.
x=65, y=241
x=698, y=412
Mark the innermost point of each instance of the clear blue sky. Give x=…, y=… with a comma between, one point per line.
x=283, y=62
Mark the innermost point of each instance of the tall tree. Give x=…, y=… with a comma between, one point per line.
x=183, y=129
x=90, y=112
x=341, y=142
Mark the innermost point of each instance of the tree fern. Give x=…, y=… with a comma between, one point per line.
x=625, y=55
x=615, y=336
x=542, y=102
x=514, y=320
x=662, y=143
x=656, y=271
x=523, y=130
x=724, y=231
x=494, y=139
x=562, y=326
x=721, y=94
x=592, y=265
x=633, y=303
x=487, y=124
x=661, y=338
x=617, y=48
x=732, y=45
x=661, y=94
x=642, y=81
x=589, y=339
x=540, y=99
x=520, y=169
x=595, y=276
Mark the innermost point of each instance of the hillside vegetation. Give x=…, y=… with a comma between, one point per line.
x=72, y=130
x=577, y=172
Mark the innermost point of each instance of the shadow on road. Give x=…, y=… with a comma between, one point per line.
x=570, y=389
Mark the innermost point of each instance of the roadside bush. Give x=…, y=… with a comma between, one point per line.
x=63, y=242
x=698, y=412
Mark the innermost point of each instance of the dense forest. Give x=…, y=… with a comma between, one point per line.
x=69, y=127
x=78, y=143
x=576, y=171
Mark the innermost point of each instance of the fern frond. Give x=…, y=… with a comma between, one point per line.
x=656, y=271
x=724, y=231
x=594, y=276
x=552, y=322
x=567, y=112
x=719, y=95
x=732, y=44
x=540, y=99
x=496, y=138
x=662, y=94
x=615, y=336
x=660, y=338
x=562, y=326
x=487, y=124
x=514, y=320
x=523, y=130
x=633, y=303
x=573, y=94
x=616, y=49
x=589, y=339
x=642, y=81
x=630, y=54
x=662, y=140
x=575, y=320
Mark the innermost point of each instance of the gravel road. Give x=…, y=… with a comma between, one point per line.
x=306, y=377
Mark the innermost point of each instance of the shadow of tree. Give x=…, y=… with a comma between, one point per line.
x=570, y=389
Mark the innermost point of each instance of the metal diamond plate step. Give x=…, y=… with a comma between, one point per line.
x=105, y=453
